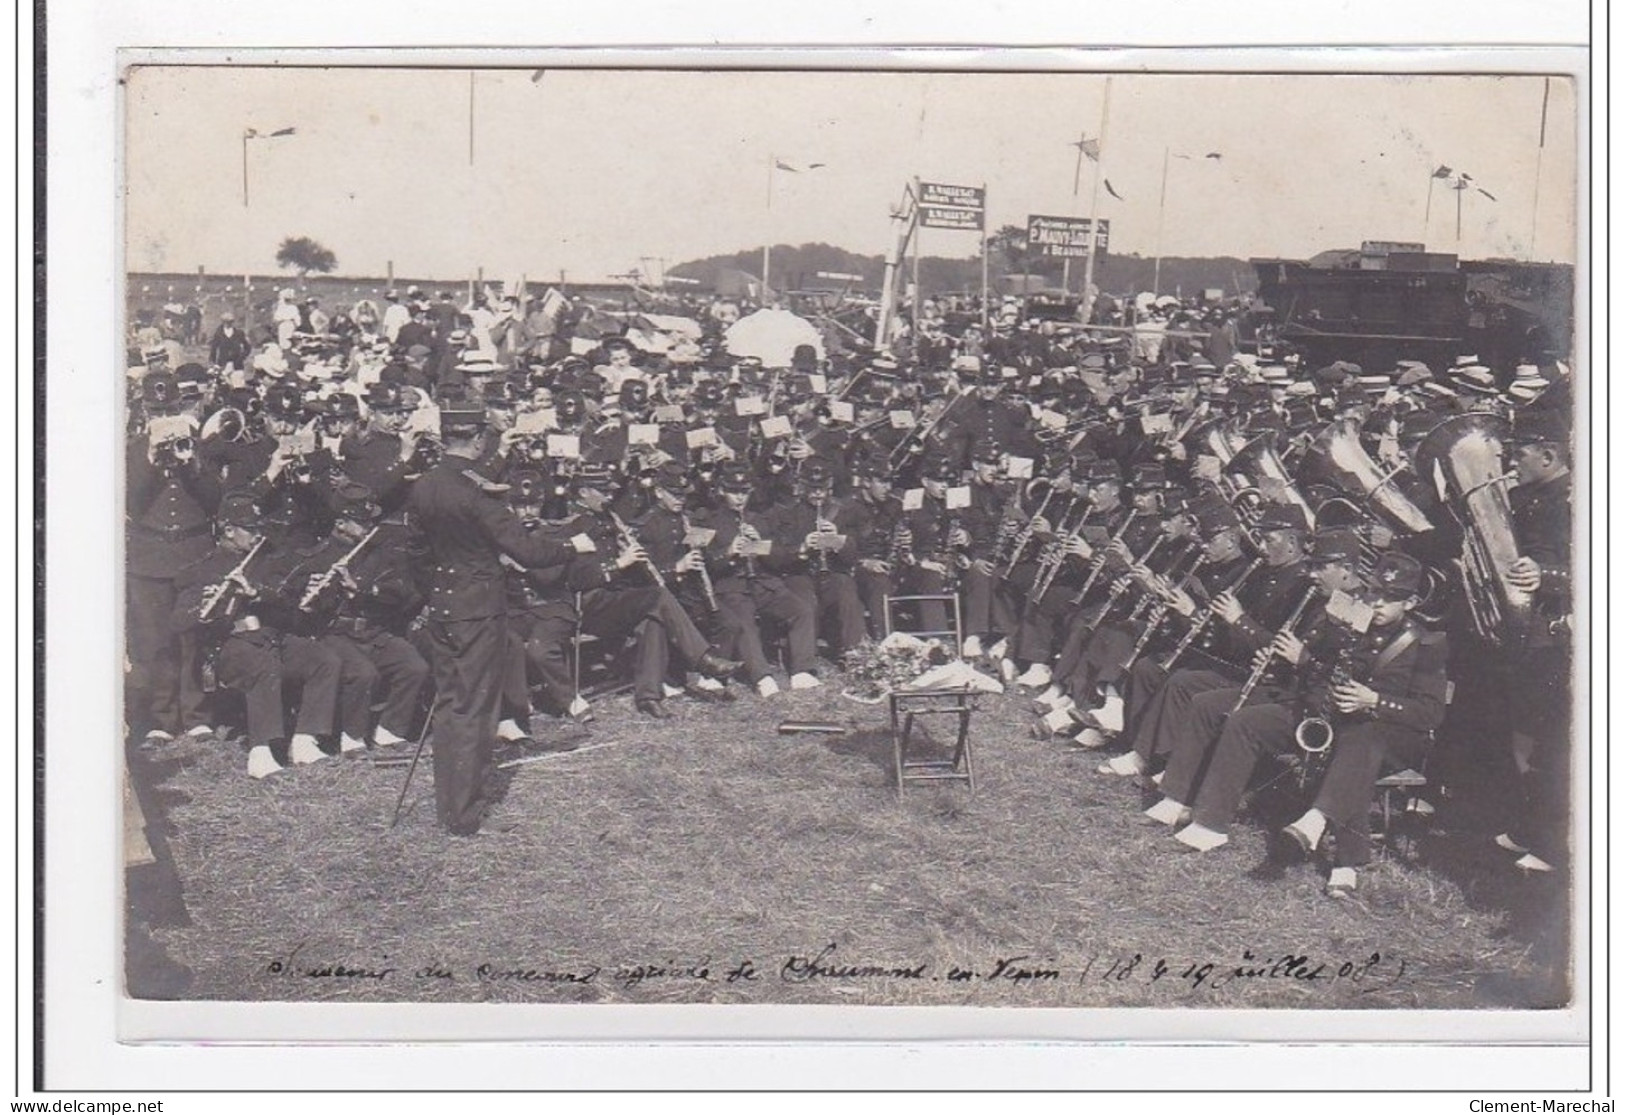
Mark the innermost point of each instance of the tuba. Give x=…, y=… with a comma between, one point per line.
x=1259, y=462
x=1337, y=455
x=1219, y=438
x=1462, y=457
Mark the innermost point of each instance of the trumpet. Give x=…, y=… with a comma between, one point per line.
x=217, y=593
x=630, y=539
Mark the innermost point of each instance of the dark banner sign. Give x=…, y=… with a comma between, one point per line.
x=1066, y=237
x=944, y=206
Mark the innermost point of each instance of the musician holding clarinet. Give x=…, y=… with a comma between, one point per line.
x=1353, y=659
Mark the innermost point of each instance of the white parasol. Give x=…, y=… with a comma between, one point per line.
x=772, y=336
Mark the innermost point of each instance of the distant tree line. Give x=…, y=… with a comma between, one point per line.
x=797, y=267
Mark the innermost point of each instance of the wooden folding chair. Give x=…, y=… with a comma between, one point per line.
x=911, y=705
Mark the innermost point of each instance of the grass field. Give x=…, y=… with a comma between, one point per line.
x=710, y=859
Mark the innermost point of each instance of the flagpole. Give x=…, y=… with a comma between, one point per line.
x=1094, y=206
x=1162, y=208
x=1077, y=176
x=767, y=241
x=984, y=257
x=1427, y=210
x=1540, y=151
x=915, y=308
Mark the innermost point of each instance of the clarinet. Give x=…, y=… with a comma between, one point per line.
x=321, y=584
x=1099, y=563
x=823, y=554
x=1263, y=667
x=1049, y=568
x=1122, y=584
x=218, y=591
x=702, y=573
x=630, y=539
x=1201, y=622
x=1027, y=532
x=1158, y=615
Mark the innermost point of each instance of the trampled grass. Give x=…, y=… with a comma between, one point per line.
x=710, y=859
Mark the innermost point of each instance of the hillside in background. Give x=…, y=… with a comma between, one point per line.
x=797, y=267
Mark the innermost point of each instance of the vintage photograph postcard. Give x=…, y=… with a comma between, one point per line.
x=703, y=535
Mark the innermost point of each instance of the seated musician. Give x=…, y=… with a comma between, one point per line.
x=1388, y=714
x=1246, y=618
x=1188, y=624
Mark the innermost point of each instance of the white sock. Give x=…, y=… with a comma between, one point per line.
x=383, y=737
x=509, y=729
x=1167, y=812
x=350, y=743
x=1200, y=837
x=1313, y=825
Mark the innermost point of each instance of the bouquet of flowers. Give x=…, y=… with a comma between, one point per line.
x=874, y=669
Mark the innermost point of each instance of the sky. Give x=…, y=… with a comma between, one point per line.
x=592, y=171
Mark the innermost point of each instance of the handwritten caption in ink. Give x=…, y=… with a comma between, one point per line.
x=829, y=965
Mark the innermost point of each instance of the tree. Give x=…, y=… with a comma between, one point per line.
x=305, y=255
x=1013, y=255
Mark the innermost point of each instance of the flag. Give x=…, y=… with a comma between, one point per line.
x=777, y=165
x=1487, y=194
x=1090, y=147
x=1111, y=191
x=1443, y=172
x=1213, y=155
x=283, y=132
x=815, y=166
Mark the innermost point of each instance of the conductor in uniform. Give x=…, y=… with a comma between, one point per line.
x=466, y=530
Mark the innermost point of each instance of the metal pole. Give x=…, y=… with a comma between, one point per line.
x=1427, y=210
x=914, y=323
x=1461, y=188
x=470, y=117
x=1540, y=151
x=1162, y=208
x=245, y=170
x=767, y=240
x=984, y=257
x=1094, y=205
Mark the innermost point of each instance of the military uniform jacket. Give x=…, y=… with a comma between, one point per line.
x=1267, y=600
x=1403, y=663
x=467, y=530
x=376, y=463
x=1543, y=519
x=169, y=514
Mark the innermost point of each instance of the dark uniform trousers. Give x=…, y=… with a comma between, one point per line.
x=744, y=602
x=1164, y=721
x=258, y=664
x=1209, y=730
x=468, y=673
x=1092, y=657
x=650, y=614
x=873, y=588
x=164, y=667
x=1040, y=626
x=1141, y=685
x=837, y=609
x=989, y=610
x=376, y=668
